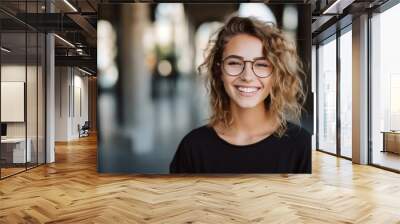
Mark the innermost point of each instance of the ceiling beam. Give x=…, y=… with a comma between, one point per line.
x=83, y=61
x=84, y=24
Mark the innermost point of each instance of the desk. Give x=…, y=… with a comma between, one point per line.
x=391, y=141
x=16, y=147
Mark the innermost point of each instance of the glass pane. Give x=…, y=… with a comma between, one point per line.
x=41, y=98
x=327, y=97
x=346, y=94
x=385, y=84
x=13, y=87
x=31, y=87
x=31, y=97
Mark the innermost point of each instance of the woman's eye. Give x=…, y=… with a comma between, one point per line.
x=262, y=65
x=234, y=63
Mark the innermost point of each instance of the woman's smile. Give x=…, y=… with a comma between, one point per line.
x=247, y=91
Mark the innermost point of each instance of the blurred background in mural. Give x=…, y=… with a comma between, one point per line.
x=150, y=94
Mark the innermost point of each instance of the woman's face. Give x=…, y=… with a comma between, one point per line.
x=246, y=90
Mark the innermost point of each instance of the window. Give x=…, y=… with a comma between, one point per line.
x=346, y=94
x=327, y=96
x=22, y=66
x=385, y=88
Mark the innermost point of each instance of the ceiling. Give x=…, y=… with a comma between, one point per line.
x=76, y=21
x=76, y=25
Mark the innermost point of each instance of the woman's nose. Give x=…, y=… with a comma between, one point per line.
x=247, y=73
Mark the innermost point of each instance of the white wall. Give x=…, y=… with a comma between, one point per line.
x=71, y=87
x=62, y=80
x=12, y=73
x=79, y=117
x=12, y=100
x=33, y=126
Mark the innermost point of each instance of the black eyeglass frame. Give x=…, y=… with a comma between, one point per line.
x=244, y=66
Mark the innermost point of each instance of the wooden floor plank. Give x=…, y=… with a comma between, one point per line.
x=71, y=191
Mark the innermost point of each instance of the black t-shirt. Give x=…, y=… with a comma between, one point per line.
x=203, y=151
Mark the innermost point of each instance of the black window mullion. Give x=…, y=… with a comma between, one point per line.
x=37, y=90
x=369, y=95
x=317, y=96
x=0, y=95
x=26, y=86
x=338, y=94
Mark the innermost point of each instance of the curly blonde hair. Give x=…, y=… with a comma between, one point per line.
x=287, y=95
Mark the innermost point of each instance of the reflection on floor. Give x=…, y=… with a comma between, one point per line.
x=386, y=159
x=346, y=151
x=11, y=169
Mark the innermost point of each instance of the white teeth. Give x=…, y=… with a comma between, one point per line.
x=247, y=89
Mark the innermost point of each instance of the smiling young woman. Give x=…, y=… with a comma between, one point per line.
x=256, y=97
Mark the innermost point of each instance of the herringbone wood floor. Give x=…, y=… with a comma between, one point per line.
x=71, y=191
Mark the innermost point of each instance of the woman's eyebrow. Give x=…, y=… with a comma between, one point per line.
x=234, y=56
x=259, y=58
x=240, y=57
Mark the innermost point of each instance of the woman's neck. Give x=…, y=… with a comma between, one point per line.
x=252, y=121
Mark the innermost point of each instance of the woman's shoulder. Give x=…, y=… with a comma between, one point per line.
x=197, y=135
x=185, y=158
x=297, y=132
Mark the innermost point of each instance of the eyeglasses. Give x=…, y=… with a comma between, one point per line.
x=234, y=66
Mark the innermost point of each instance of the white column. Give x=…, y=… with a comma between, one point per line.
x=50, y=99
x=360, y=90
x=50, y=93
